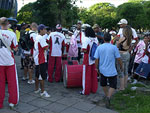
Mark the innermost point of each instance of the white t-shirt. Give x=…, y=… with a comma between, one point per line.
x=146, y=59
x=33, y=38
x=89, y=41
x=57, y=40
x=79, y=35
x=40, y=55
x=134, y=34
x=6, y=57
x=45, y=36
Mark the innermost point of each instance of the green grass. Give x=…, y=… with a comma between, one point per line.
x=129, y=101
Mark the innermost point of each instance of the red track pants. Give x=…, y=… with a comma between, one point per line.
x=10, y=73
x=89, y=79
x=51, y=64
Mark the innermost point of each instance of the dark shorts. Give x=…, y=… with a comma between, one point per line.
x=41, y=70
x=28, y=62
x=111, y=80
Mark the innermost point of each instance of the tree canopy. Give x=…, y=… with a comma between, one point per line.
x=51, y=12
x=5, y=13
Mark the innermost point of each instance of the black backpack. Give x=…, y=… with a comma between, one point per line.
x=25, y=41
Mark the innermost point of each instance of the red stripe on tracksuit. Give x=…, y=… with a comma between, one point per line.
x=89, y=77
x=10, y=73
x=80, y=37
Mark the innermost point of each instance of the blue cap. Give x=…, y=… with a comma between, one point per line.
x=41, y=27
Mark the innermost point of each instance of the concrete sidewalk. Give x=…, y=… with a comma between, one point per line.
x=62, y=100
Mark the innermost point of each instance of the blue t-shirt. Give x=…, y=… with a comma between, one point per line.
x=107, y=54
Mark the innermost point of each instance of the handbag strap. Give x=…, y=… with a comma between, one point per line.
x=5, y=43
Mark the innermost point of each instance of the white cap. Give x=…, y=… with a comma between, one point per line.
x=85, y=25
x=58, y=26
x=112, y=32
x=123, y=21
x=79, y=22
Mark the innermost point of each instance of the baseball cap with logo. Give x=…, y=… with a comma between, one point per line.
x=58, y=27
x=123, y=21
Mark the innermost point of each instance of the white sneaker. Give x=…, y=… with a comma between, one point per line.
x=129, y=78
x=134, y=82
x=11, y=105
x=31, y=81
x=37, y=91
x=24, y=78
x=45, y=94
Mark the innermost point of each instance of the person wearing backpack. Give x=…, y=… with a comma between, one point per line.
x=89, y=78
x=28, y=60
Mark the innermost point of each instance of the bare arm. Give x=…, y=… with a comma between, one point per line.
x=146, y=49
x=131, y=48
x=99, y=37
x=97, y=65
x=120, y=63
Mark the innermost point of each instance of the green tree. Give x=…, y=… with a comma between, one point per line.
x=136, y=1
x=5, y=13
x=133, y=12
x=146, y=17
x=86, y=16
x=26, y=13
x=49, y=12
x=103, y=14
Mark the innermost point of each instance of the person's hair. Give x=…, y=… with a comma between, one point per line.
x=127, y=33
x=107, y=37
x=3, y=21
x=34, y=25
x=89, y=32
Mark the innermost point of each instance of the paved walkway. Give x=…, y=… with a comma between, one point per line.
x=62, y=100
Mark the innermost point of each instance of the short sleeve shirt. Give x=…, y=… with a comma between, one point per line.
x=58, y=39
x=107, y=54
x=6, y=57
x=134, y=34
x=88, y=42
x=40, y=55
x=79, y=35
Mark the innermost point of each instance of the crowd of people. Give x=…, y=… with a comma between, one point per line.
x=103, y=55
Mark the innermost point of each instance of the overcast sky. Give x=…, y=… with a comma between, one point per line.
x=85, y=3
